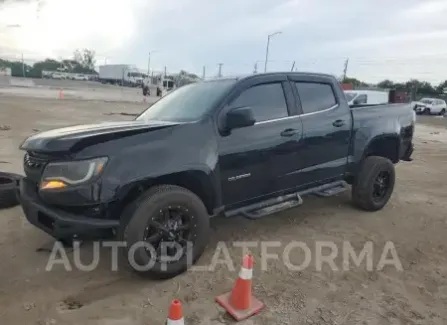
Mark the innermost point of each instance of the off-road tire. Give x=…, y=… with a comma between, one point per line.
x=137, y=214
x=8, y=190
x=362, y=189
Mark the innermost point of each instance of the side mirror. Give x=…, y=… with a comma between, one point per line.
x=239, y=118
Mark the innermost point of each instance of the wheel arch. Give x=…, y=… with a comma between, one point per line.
x=386, y=145
x=196, y=181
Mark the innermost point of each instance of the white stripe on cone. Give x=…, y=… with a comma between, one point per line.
x=246, y=274
x=175, y=322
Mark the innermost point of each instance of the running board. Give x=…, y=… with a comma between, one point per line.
x=285, y=202
x=336, y=188
x=262, y=212
x=261, y=209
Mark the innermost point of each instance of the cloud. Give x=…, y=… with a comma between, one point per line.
x=396, y=39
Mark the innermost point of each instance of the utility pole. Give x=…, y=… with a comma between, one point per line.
x=345, y=69
x=256, y=68
x=293, y=66
x=23, y=66
x=165, y=72
x=267, y=49
x=220, y=70
x=149, y=64
x=203, y=73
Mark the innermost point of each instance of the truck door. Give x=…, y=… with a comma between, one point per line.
x=248, y=157
x=327, y=128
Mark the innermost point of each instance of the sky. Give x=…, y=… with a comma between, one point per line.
x=398, y=39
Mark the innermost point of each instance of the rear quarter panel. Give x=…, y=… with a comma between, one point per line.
x=375, y=122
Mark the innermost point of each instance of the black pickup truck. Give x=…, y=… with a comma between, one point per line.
x=247, y=146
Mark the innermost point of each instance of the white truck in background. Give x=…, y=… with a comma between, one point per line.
x=121, y=74
x=367, y=97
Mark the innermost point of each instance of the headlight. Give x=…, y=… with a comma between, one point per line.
x=62, y=174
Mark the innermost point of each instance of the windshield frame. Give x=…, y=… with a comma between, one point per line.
x=230, y=83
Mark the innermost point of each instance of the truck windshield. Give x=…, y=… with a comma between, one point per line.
x=350, y=96
x=188, y=103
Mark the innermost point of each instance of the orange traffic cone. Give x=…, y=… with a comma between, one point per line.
x=61, y=94
x=175, y=315
x=240, y=303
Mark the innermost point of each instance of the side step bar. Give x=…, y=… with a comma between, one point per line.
x=285, y=202
x=336, y=188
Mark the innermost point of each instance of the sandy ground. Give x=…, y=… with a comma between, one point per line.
x=72, y=89
x=414, y=220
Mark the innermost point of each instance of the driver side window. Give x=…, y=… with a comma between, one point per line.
x=266, y=100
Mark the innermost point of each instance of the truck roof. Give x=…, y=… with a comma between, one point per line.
x=247, y=76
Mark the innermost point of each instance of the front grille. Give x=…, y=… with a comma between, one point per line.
x=33, y=165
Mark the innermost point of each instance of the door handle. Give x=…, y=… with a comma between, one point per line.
x=289, y=132
x=338, y=123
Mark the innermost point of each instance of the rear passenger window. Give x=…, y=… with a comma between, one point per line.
x=266, y=100
x=315, y=97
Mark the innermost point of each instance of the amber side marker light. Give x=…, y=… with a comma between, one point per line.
x=48, y=185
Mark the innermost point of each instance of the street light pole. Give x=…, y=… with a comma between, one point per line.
x=149, y=62
x=267, y=49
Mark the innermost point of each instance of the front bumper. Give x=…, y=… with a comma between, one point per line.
x=56, y=222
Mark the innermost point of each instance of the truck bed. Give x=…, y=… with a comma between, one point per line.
x=363, y=115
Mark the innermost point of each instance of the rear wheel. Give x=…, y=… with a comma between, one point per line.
x=165, y=231
x=374, y=184
x=442, y=112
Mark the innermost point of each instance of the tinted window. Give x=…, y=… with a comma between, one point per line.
x=267, y=101
x=362, y=99
x=315, y=97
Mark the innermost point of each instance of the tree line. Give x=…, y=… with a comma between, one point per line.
x=412, y=86
x=83, y=61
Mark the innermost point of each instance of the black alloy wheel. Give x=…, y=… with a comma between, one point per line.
x=374, y=183
x=172, y=225
x=381, y=186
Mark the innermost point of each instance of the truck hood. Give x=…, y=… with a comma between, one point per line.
x=78, y=136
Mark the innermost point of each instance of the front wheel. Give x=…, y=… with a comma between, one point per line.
x=374, y=184
x=427, y=111
x=165, y=231
x=442, y=112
